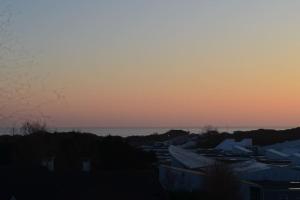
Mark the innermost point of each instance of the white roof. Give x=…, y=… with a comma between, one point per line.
x=242, y=149
x=288, y=147
x=274, y=173
x=277, y=153
x=228, y=144
x=249, y=166
x=189, y=159
x=296, y=155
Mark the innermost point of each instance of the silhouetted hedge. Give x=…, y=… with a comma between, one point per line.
x=259, y=137
x=150, y=139
x=70, y=149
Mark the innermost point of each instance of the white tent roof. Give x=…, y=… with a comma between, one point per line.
x=296, y=155
x=243, y=149
x=249, y=166
x=273, y=151
x=228, y=144
x=189, y=159
x=288, y=147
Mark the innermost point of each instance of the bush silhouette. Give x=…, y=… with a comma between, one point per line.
x=221, y=183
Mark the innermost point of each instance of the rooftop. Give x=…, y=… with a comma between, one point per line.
x=189, y=159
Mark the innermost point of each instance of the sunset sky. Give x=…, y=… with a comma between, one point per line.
x=146, y=63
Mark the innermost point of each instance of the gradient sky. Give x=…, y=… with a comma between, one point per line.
x=154, y=62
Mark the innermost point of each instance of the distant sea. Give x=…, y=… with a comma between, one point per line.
x=131, y=131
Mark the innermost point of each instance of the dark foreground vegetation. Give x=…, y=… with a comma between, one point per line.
x=117, y=167
x=38, y=184
x=259, y=137
x=114, y=169
x=151, y=139
x=70, y=149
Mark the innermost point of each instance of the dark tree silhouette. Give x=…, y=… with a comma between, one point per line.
x=221, y=183
x=209, y=129
x=31, y=127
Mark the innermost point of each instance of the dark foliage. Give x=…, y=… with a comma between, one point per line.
x=260, y=137
x=212, y=140
x=221, y=183
x=37, y=184
x=5, y=153
x=70, y=149
x=268, y=137
x=150, y=139
x=31, y=127
x=115, y=153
